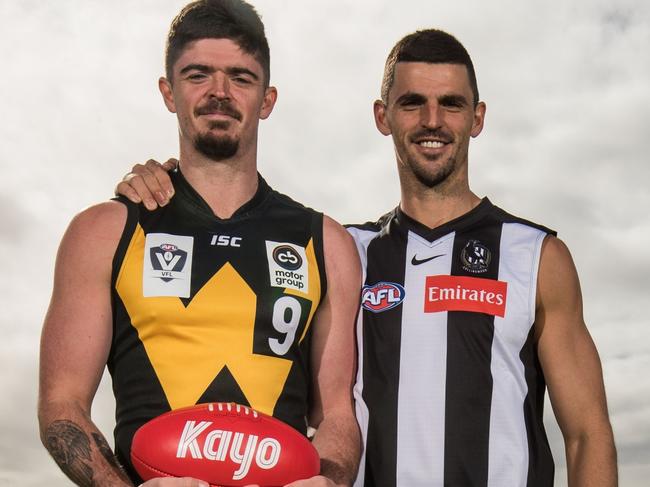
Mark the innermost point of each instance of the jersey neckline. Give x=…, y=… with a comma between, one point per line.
x=198, y=204
x=472, y=216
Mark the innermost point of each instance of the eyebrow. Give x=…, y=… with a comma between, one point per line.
x=453, y=100
x=411, y=97
x=204, y=68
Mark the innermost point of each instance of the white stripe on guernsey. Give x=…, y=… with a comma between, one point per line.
x=362, y=238
x=422, y=375
x=508, y=449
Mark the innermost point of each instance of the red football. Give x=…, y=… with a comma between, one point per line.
x=224, y=444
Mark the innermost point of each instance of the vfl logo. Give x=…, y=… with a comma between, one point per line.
x=475, y=257
x=223, y=445
x=287, y=258
x=167, y=269
x=382, y=296
x=168, y=260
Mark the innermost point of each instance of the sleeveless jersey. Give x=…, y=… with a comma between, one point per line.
x=449, y=390
x=206, y=309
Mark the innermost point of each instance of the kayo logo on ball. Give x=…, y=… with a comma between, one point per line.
x=220, y=445
x=382, y=296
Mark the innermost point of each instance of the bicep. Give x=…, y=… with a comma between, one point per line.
x=333, y=345
x=77, y=330
x=567, y=353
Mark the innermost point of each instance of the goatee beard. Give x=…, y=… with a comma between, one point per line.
x=216, y=148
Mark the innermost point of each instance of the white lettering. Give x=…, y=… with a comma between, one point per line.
x=225, y=241
x=244, y=459
x=224, y=445
x=268, y=453
x=188, y=439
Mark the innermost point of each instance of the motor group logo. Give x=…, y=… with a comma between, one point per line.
x=288, y=266
x=461, y=293
x=168, y=261
x=475, y=257
x=167, y=269
x=382, y=296
x=287, y=258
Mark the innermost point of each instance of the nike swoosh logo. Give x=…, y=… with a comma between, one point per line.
x=416, y=261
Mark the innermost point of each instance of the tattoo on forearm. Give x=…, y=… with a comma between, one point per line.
x=70, y=447
x=105, y=449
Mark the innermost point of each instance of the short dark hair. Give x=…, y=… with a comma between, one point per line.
x=218, y=19
x=428, y=46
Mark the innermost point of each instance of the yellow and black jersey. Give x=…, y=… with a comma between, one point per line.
x=206, y=309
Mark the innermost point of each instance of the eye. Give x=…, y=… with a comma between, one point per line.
x=196, y=77
x=241, y=80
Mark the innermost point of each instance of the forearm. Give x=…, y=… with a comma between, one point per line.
x=78, y=447
x=338, y=443
x=591, y=461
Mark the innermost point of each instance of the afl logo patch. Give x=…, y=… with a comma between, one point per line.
x=382, y=296
x=475, y=257
x=287, y=258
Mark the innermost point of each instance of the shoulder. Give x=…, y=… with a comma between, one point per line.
x=558, y=278
x=96, y=230
x=507, y=217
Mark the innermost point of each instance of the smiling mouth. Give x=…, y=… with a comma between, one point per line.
x=431, y=144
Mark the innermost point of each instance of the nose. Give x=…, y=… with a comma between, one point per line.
x=220, y=86
x=430, y=115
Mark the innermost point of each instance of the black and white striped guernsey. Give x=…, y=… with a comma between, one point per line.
x=449, y=390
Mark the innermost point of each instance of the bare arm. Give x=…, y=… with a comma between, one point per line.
x=75, y=343
x=334, y=359
x=573, y=371
x=74, y=347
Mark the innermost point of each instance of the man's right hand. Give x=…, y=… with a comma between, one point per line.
x=148, y=183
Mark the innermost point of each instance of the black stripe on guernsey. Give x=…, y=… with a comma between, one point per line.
x=381, y=368
x=469, y=379
x=541, y=468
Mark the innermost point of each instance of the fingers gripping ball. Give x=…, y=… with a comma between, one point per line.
x=224, y=444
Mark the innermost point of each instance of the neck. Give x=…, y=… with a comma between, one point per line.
x=436, y=206
x=224, y=185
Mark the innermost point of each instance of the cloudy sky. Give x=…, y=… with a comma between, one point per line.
x=566, y=143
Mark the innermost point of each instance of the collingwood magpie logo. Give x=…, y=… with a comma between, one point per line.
x=167, y=269
x=475, y=257
x=168, y=260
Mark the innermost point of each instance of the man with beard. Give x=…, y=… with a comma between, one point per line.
x=231, y=293
x=468, y=312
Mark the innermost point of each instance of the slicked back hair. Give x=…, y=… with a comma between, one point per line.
x=428, y=46
x=218, y=19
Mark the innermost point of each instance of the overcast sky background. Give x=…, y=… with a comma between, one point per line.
x=566, y=144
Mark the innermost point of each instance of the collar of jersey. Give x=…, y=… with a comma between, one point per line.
x=190, y=197
x=408, y=223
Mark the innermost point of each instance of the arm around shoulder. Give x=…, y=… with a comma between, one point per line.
x=334, y=358
x=75, y=342
x=573, y=371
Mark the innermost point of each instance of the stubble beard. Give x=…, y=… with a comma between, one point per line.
x=436, y=178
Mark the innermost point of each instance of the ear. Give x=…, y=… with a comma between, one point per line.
x=270, y=97
x=379, y=108
x=165, y=88
x=479, y=119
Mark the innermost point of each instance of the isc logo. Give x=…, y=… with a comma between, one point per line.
x=221, y=445
x=225, y=241
x=382, y=296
